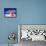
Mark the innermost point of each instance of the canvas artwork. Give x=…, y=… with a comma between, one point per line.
x=33, y=32
x=10, y=12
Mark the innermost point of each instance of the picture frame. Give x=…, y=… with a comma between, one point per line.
x=34, y=32
x=10, y=12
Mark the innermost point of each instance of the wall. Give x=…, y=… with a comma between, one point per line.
x=7, y=25
x=28, y=12
x=33, y=12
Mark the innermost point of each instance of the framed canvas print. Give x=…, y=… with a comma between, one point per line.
x=10, y=12
x=33, y=32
